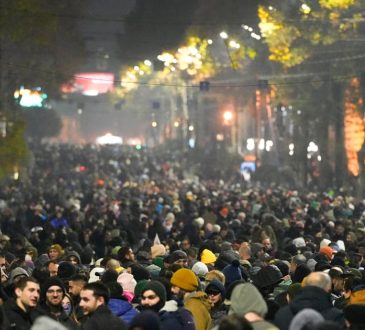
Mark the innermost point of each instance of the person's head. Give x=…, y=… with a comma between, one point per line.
x=55, y=252
x=126, y=254
x=296, y=261
x=318, y=279
x=67, y=304
x=266, y=242
x=182, y=281
x=27, y=293
x=53, y=291
x=215, y=291
x=76, y=284
x=179, y=257
x=52, y=268
x=153, y=296
x=92, y=296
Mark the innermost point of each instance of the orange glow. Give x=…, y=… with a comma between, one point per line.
x=354, y=126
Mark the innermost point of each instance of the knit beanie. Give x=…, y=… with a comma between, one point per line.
x=18, y=271
x=185, y=279
x=158, y=288
x=177, y=255
x=307, y=318
x=66, y=270
x=146, y=320
x=246, y=298
x=52, y=281
x=127, y=281
x=200, y=269
x=158, y=261
x=139, y=272
x=158, y=250
x=139, y=287
x=267, y=276
x=208, y=257
x=232, y=272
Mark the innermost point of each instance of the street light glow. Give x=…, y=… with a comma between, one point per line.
x=154, y=123
x=223, y=35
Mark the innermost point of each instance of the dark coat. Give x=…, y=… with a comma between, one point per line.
x=180, y=319
x=16, y=318
x=103, y=319
x=62, y=318
x=310, y=297
x=122, y=308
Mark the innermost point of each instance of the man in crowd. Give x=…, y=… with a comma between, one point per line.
x=53, y=292
x=94, y=298
x=20, y=313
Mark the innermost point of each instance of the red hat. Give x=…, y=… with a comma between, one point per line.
x=327, y=251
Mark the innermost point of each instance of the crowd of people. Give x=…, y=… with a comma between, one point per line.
x=115, y=238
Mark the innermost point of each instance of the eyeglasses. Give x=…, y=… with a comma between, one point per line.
x=152, y=296
x=59, y=291
x=213, y=293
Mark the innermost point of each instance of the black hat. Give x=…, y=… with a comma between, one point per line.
x=52, y=281
x=177, y=255
x=267, y=276
x=66, y=270
x=158, y=288
x=216, y=286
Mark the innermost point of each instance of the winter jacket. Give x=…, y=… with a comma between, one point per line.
x=122, y=308
x=103, y=319
x=175, y=317
x=62, y=318
x=16, y=318
x=310, y=297
x=197, y=303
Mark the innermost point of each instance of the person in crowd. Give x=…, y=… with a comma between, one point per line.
x=172, y=316
x=316, y=294
x=21, y=312
x=94, y=298
x=247, y=302
x=52, y=294
x=118, y=304
x=216, y=294
x=184, y=285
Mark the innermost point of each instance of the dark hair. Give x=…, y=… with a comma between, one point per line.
x=79, y=278
x=99, y=290
x=23, y=282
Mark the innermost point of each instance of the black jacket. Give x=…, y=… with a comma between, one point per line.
x=310, y=297
x=16, y=318
x=62, y=318
x=103, y=319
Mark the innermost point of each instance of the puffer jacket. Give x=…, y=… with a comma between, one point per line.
x=122, y=308
x=175, y=317
x=197, y=303
x=310, y=297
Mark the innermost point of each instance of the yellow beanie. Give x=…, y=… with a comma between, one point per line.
x=208, y=257
x=185, y=279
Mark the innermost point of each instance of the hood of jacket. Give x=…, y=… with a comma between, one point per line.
x=311, y=297
x=119, y=306
x=170, y=306
x=201, y=296
x=246, y=298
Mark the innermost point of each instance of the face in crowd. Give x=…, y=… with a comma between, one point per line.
x=28, y=297
x=54, y=296
x=88, y=302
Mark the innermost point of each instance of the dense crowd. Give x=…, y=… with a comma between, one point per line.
x=115, y=238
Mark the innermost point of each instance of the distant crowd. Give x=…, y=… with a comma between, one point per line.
x=116, y=238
